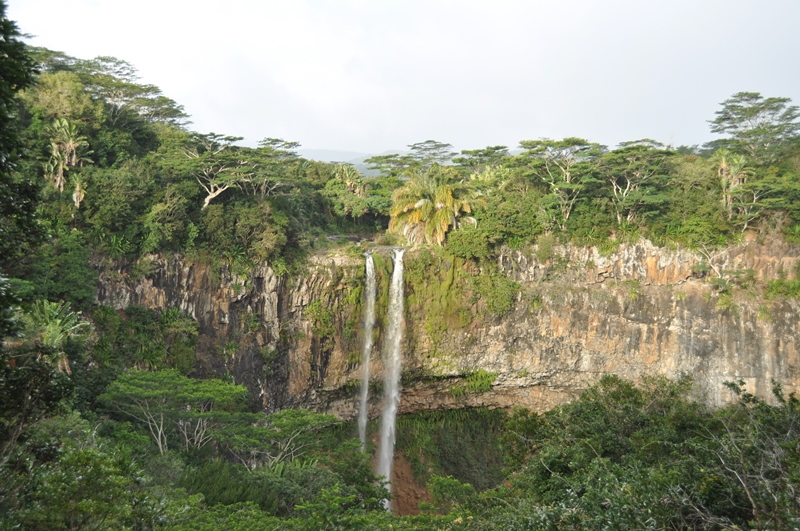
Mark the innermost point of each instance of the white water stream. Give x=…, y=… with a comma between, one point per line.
x=369, y=324
x=392, y=369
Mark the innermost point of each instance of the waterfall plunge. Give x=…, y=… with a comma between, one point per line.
x=394, y=335
x=369, y=324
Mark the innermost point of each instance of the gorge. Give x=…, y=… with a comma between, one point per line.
x=576, y=315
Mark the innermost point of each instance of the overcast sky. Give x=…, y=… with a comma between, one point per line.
x=375, y=75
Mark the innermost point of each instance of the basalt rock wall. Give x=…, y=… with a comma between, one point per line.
x=578, y=314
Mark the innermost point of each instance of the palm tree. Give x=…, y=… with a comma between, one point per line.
x=430, y=204
x=352, y=179
x=51, y=324
x=489, y=180
x=80, y=190
x=732, y=175
x=67, y=150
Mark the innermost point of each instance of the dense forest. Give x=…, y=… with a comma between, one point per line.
x=104, y=424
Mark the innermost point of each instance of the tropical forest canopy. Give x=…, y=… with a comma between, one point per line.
x=103, y=427
x=120, y=173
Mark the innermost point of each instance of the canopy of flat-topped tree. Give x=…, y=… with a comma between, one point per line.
x=759, y=127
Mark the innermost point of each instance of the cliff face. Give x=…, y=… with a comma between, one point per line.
x=577, y=315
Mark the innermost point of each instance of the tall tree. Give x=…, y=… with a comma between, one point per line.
x=213, y=161
x=431, y=152
x=566, y=167
x=477, y=160
x=52, y=324
x=68, y=151
x=269, y=169
x=431, y=203
x=759, y=127
x=732, y=174
x=347, y=191
x=168, y=403
x=392, y=165
x=630, y=170
x=17, y=192
x=116, y=83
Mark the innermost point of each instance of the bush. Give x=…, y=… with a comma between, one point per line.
x=498, y=291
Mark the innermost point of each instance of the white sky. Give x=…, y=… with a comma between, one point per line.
x=376, y=75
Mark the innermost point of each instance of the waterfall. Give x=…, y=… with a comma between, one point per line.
x=394, y=335
x=369, y=324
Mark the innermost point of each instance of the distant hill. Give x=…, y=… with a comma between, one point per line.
x=350, y=157
x=331, y=155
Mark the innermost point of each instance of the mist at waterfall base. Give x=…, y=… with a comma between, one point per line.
x=392, y=362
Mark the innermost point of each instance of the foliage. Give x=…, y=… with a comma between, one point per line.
x=648, y=457
x=478, y=381
x=429, y=204
x=497, y=290
x=447, y=491
x=438, y=287
x=173, y=407
x=85, y=489
x=321, y=317
x=267, y=440
x=51, y=325
x=461, y=443
x=30, y=389
x=109, y=447
x=142, y=338
x=60, y=270
x=18, y=192
x=784, y=288
x=636, y=173
x=566, y=167
x=759, y=127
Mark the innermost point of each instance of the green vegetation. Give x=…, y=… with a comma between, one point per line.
x=103, y=426
x=462, y=443
x=478, y=381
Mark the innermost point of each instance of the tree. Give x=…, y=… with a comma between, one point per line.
x=212, y=160
x=392, y=165
x=565, y=166
x=347, y=191
x=85, y=489
x=757, y=450
x=18, y=193
x=431, y=152
x=429, y=204
x=166, y=403
x=629, y=170
x=67, y=151
x=759, y=127
x=30, y=390
x=478, y=160
x=268, y=169
x=265, y=440
x=115, y=82
x=732, y=175
x=29, y=387
x=52, y=324
x=489, y=180
x=164, y=221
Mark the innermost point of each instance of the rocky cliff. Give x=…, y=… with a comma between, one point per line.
x=572, y=314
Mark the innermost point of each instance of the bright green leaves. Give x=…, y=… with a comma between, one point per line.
x=566, y=167
x=68, y=151
x=51, y=325
x=85, y=489
x=173, y=407
x=260, y=441
x=430, y=203
x=636, y=173
x=759, y=127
